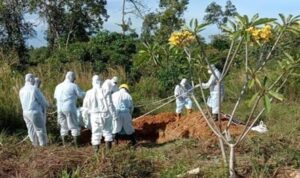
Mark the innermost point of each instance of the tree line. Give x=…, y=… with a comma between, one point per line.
x=75, y=21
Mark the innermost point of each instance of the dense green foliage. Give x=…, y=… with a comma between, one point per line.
x=14, y=28
x=70, y=21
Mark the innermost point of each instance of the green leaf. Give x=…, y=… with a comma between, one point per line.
x=251, y=83
x=282, y=17
x=294, y=30
x=276, y=95
x=233, y=25
x=255, y=17
x=226, y=28
x=267, y=103
x=251, y=101
x=201, y=27
x=191, y=22
x=196, y=23
x=265, y=81
x=258, y=82
x=288, y=55
x=142, y=51
x=248, y=37
x=263, y=21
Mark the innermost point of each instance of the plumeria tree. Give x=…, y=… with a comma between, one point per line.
x=262, y=36
x=184, y=39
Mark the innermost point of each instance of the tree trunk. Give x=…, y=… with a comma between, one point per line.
x=123, y=18
x=232, y=161
x=222, y=150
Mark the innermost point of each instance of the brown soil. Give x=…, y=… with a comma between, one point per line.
x=150, y=127
x=164, y=127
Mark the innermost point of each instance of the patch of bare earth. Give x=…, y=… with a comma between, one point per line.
x=165, y=127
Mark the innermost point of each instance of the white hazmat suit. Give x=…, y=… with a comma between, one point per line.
x=66, y=94
x=98, y=105
x=33, y=102
x=124, y=107
x=37, y=83
x=110, y=85
x=182, y=93
x=213, y=85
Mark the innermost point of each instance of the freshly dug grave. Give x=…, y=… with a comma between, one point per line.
x=164, y=127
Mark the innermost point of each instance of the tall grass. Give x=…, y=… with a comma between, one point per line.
x=10, y=108
x=51, y=74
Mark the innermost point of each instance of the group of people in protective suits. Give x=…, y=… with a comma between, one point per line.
x=108, y=108
x=184, y=90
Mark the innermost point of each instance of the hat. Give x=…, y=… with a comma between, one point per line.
x=124, y=86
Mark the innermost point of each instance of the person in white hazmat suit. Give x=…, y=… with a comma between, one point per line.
x=32, y=103
x=66, y=95
x=111, y=85
x=98, y=107
x=182, y=93
x=124, y=107
x=89, y=102
x=215, y=93
x=37, y=84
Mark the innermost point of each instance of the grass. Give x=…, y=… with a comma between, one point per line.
x=259, y=156
x=50, y=74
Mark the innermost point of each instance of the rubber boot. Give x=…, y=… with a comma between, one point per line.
x=63, y=139
x=108, y=145
x=116, y=139
x=133, y=139
x=96, y=148
x=76, y=141
x=178, y=116
x=215, y=117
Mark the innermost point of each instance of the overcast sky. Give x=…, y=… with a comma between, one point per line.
x=196, y=9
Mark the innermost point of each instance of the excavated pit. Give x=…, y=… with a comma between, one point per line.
x=165, y=127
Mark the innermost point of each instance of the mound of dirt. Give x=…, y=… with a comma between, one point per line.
x=164, y=127
x=149, y=127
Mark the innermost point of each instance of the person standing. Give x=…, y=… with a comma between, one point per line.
x=96, y=106
x=66, y=95
x=123, y=104
x=33, y=102
x=37, y=84
x=216, y=90
x=182, y=93
x=110, y=85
